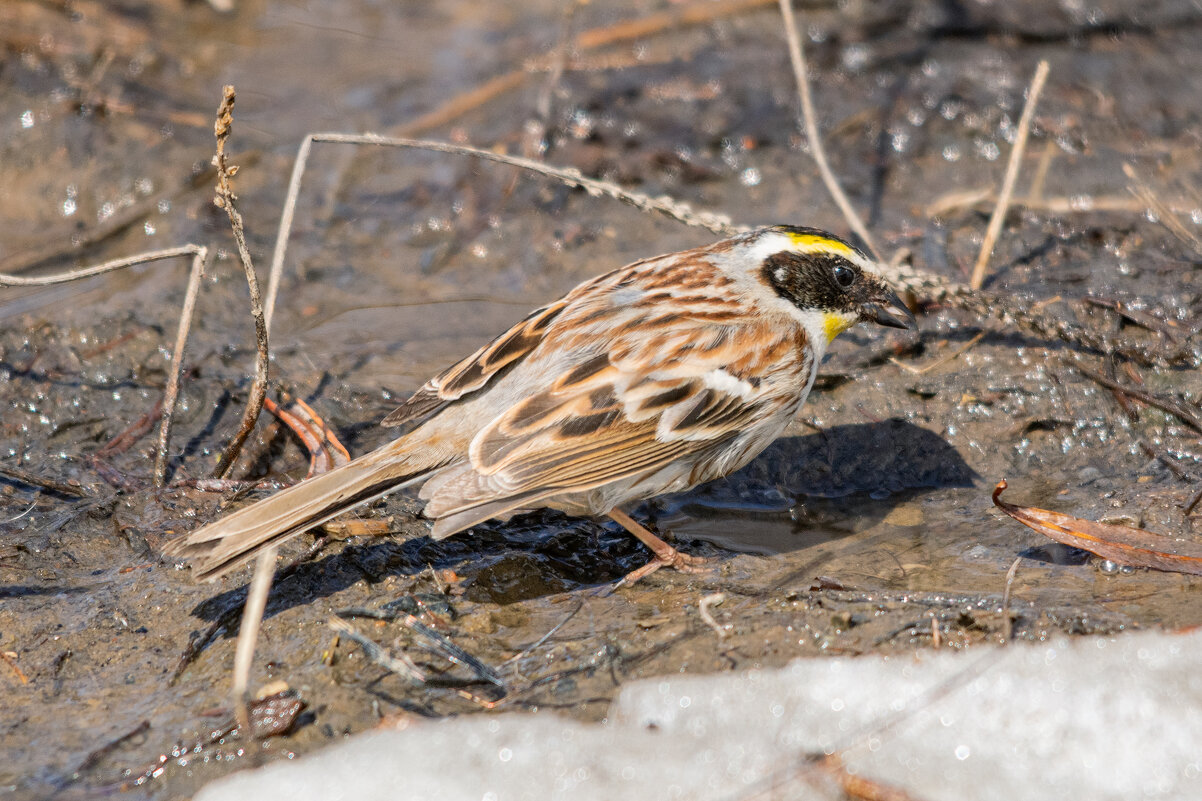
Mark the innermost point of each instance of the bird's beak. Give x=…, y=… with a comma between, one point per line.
x=886, y=308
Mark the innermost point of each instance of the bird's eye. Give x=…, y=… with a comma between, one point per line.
x=844, y=276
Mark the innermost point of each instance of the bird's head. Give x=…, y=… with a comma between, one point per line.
x=831, y=284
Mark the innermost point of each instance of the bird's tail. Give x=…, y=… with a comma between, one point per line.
x=221, y=546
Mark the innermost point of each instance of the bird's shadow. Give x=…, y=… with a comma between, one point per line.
x=858, y=469
x=809, y=489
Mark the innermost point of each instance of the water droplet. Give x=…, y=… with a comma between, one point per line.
x=27, y=118
x=988, y=150
x=855, y=56
x=750, y=177
x=962, y=752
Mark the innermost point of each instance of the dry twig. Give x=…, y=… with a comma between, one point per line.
x=452, y=652
x=248, y=632
x=401, y=665
x=1035, y=192
x=718, y=223
x=10, y=658
x=1016, y=157
x=199, y=255
x=674, y=18
x=984, y=198
x=1163, y=212
x=225, y=199
x=810, y=122
x=99, y=269
x=1170, y=405
x=1192, y=502
x=256, y=599
x=905, y=277
x=941, y=360
x=171, y=393
x=1007, y=621
x=33, y=480
x=707, y=617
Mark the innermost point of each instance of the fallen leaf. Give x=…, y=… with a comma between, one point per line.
x=1122, y=544
x=357, y=527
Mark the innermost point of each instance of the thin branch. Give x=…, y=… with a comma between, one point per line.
x=248, y=631
x=256, y=599
x=400, y=665
x=225, y=199
x=10, y=659
x=1016, y=158
x=1162, y=210
x=99, y=269
x=942, y=360
x=34, y=480
x=1007, y=621
x=630, y=30
x=569, y=176
x=171, y=395
x=986, y=198
x=810, y=121
x=452, y=652
x=677, y=16
x=1171, y=406
x=718, y=223
x=1035, y=192
x=1020, y=312
x=707, y=617
x=905, y=277
x=199, y=255
x=285, y=230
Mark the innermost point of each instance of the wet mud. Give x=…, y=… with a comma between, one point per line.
x=869, y=528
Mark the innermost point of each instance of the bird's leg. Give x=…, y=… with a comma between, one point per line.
x=665, y=554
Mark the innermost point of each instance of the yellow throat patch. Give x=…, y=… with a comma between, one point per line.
x=835, y=323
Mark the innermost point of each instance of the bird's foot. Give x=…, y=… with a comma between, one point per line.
x=674, y=559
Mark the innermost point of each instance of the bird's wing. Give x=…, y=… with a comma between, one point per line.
x=592, y=306
x=659, y=393
x=477, y=370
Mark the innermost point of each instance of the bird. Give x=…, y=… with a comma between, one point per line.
x=653, y=378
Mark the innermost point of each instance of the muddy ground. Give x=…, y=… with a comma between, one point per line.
x=402, y=262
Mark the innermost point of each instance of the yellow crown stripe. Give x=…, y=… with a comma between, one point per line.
x=813, y=243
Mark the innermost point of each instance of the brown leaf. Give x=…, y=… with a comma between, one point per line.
x=1122, y=544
